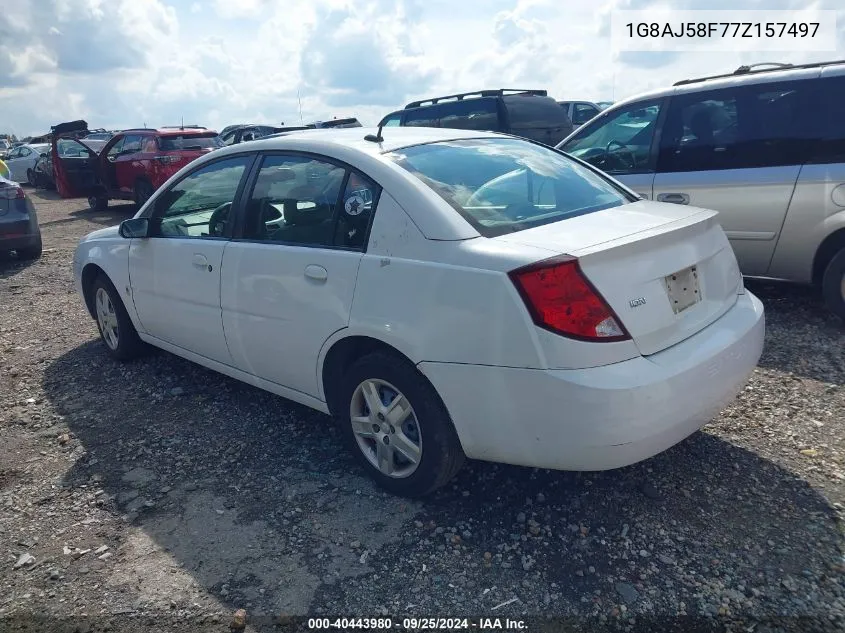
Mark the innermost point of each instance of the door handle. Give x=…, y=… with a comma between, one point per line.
x=316, y=272
x=674, y=198
x=200, y=261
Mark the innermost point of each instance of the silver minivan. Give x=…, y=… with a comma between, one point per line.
x=763, y=146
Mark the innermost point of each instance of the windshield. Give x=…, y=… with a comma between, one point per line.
x=189, y=142
x=506, y=185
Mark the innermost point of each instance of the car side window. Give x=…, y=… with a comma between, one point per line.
x=131, y=144
x=583, y=112
x=294, y=200
x=24, y=152
x=619, y=142
x=470, y=114
x=831, y=107
x=393, y=120
x=116, y=149
x=229, y=138
x=360, y=196
x=701, y=132
x=760, y=125
x=149, y=145
x=427, y=116
x=200, y=205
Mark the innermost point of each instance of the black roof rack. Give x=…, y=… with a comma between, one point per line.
x=478, y=93
x=183, y=127
x=754, y=69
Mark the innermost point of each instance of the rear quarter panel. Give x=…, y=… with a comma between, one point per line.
x=817, y=209
x=436, y=300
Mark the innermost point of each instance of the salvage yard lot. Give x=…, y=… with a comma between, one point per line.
x=160, y=489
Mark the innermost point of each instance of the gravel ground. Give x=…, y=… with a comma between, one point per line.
x=158, y=495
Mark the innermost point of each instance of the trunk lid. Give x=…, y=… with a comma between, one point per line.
x=666, y=271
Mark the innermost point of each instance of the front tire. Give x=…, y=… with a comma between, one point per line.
x=98, y=202
x=397, y=425
x=31, y=179
x=833, y=284
x=113, y=322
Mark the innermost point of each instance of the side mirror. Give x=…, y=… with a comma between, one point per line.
x=43, y=154
x=135, y=228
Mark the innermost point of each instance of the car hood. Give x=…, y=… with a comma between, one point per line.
x=100, y=234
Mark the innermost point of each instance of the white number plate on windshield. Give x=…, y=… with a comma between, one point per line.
x=683, y=289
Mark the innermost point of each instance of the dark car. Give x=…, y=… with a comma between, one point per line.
x=531, y=114
x=335, y=123
x=234, y=134
x=130, y=166
x=19, y=229
x=44, y=176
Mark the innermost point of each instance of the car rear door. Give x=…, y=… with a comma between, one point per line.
x=127, y=165
x=622, y=143
x=288, y=281
x=737, y=150
x=175, y=273
x=817, y=209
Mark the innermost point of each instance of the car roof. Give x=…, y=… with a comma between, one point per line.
x=168, y=131
x=353, y=138
x=737, y=78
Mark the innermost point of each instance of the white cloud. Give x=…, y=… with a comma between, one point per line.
x=120, y=63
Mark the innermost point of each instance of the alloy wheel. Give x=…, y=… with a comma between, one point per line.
x=107, y=318
x=386, y=428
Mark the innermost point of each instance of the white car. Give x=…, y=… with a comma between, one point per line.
x=21, y=162
x=443, y=293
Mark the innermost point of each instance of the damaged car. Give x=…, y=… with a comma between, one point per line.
x=130, y=166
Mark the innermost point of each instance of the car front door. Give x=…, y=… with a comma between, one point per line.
x=739, y=151
x=288, y=281
x=14, y=161
x=75, y=168
x=622, y=143
x=175, y=273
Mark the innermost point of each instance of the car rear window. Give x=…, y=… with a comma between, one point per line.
x=188, y=142
x=506, y=185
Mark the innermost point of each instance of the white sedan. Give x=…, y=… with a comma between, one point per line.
x=21, y=162
x=442, y=293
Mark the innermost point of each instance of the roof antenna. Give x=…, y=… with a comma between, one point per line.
x=183, y=122
x=298, y=98
x=377, y=137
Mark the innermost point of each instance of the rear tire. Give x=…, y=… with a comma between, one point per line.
x=439, y=455
x=143, y=191
x=113, y=322
x=98, y=202
x=833, y=284
x=31, y=252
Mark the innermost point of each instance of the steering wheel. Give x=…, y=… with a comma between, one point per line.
x=631, y=160
x=219, y=217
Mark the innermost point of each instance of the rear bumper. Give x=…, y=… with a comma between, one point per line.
x=603, y=417
x=19, y=233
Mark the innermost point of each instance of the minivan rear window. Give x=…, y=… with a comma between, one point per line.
x=504, y=185
x=188, y=142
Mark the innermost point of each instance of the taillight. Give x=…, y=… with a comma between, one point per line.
x=562, y=300
x=11, y=193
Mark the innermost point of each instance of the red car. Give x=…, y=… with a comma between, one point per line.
x=130, y=166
